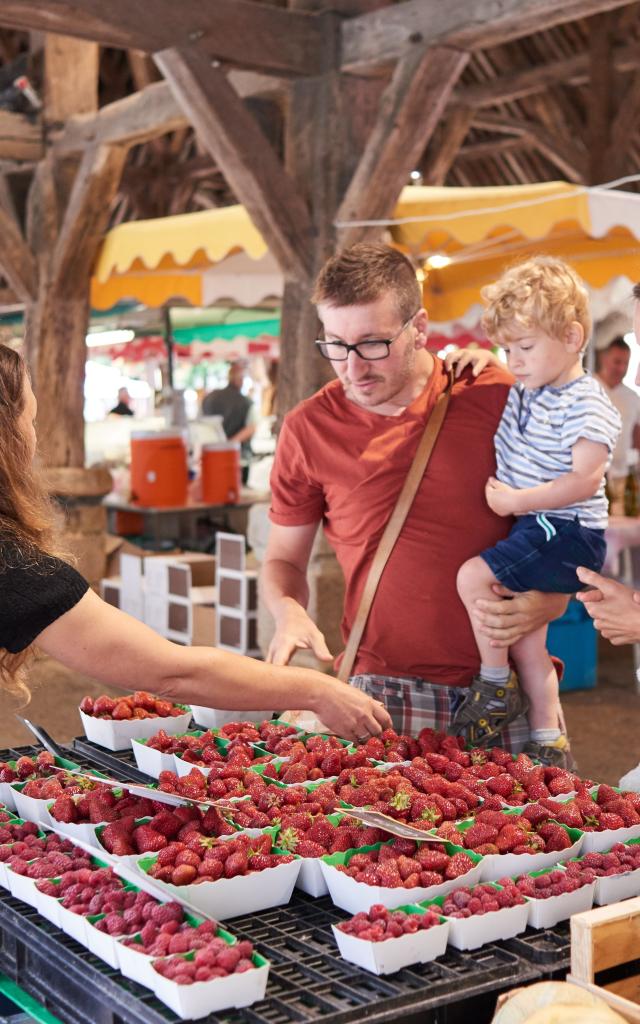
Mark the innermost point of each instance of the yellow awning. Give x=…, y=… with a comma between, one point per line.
x=203, y=257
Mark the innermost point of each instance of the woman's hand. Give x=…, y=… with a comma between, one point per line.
x=614, y=608
x=507, y=621
x=477, y=358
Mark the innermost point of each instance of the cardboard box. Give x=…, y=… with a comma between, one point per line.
x=237, y=632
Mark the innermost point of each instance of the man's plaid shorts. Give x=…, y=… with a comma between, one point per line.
x=415, y=704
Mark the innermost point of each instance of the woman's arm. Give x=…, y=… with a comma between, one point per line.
x=103, y=642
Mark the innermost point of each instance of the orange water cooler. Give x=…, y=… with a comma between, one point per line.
x=158, y=468
x=221, y=473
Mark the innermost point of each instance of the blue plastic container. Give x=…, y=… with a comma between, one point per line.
x=574, y=640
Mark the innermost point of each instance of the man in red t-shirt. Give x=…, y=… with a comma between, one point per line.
x=341, y=460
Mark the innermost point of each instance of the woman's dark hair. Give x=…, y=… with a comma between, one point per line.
x=27, y=514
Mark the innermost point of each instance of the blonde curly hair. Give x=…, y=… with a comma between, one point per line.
x=544, y=292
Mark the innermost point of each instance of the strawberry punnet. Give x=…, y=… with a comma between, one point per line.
x=215, y=859
x=380, y=924
x=132, y=706
x=482, y=899
x=617, y=861
x=497, y=832
x=215, y=960
x=406, y=864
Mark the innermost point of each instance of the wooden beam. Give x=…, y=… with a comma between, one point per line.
x=17, y=264
x=241, y=32
x=567, y=157
x=8, y=299
x=390, y=33
x=145, y=115
x=445, y=149
x=481, y=150
x=600, y=106
x=624, y=128
x=70, y=77
x=143, y=70
x=86, y=217
x=20, y=137
x=243, y=154
x=572, y=70
x=410, y=111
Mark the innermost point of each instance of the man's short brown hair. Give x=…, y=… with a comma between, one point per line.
x=364, y=273
x=636, y=291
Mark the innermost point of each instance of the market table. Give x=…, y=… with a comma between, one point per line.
x=179, y=522
x=308, y=980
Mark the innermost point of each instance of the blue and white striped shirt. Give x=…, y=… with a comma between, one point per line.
x=538, y=429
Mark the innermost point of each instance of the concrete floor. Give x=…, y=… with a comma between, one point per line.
x=604, y=723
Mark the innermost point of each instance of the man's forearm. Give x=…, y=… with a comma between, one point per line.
x=280, y=583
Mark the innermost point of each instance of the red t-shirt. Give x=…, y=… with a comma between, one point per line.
x=344, y=465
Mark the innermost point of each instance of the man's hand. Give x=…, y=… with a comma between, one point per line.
x=507, y=621
x=350, y=713
x=295, y=630
x=614, y=608
x=500, y=498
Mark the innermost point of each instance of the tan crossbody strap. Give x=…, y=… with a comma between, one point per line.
x=394, y=526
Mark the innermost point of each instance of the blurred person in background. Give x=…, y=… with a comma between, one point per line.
x=613, y=364
x=237, y=411
x=123, y=408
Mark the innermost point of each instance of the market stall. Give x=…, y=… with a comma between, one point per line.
x=459, y=239
x=308, y=979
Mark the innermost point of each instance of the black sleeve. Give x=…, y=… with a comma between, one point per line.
x=34, y=592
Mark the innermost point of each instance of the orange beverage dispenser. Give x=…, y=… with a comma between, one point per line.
x=159, y=473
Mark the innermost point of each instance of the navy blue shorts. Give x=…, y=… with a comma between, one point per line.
x=543, y=552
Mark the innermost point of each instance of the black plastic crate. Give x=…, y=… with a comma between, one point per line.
x=308, y=980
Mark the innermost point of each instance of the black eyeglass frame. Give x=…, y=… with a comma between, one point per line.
x=357, y=347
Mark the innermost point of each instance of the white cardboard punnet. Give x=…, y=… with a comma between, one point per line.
x=117, y=735
x=472, y=932
x=204, y=997
x=393, y=954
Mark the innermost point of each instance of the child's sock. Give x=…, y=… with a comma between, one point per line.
x=545, y=735
x=495, y=675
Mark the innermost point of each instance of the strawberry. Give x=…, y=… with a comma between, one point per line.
x=610, y=820
x=184, y=874
x=64, y=809
x=477, y=835
x=606, y=794
x=509, y=837
x=305, y=848
x=459, y=864
x=564, y=782
x=502, y=785
x=148, y=840
x=236, y=864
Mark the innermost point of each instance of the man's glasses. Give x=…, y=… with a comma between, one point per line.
x=338, y=351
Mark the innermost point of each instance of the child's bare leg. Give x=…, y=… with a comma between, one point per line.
x=539, y=680
x=474, y=581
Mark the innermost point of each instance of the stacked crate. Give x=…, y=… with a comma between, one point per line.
x=237, y=597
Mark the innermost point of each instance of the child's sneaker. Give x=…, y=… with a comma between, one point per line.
x=556, y=753
x=487, y=709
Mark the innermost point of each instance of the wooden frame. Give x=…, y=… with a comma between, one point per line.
x=603, y=938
